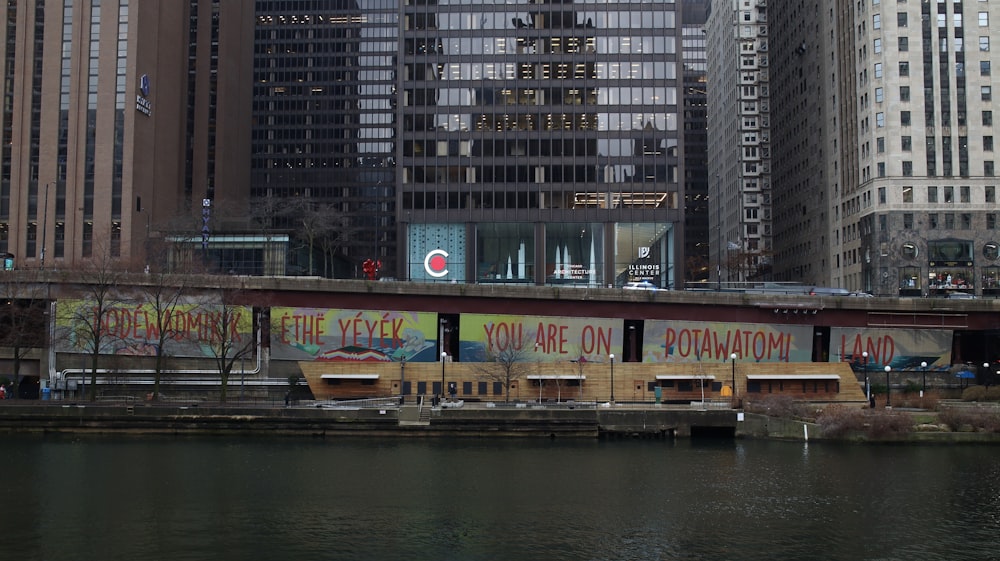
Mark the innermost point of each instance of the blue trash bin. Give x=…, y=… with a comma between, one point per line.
x=46, y=394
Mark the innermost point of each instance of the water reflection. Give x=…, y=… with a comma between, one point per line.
x=164, y=498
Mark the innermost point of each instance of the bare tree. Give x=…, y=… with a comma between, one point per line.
x=231, y=329
x=162, y=291
x=337, y=232
x=504, y=365
x=23, y=311
x=98, y=283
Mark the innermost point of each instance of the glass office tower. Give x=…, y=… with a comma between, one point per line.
x=540, y=142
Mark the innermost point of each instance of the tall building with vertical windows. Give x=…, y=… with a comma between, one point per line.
x=324, y=130
x=118, y=120
x=739, y=146
x=695, y=125
x=540, y=142
x=886, y=181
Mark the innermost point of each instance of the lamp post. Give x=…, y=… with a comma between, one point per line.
x=732, y=358
x=868, y=388
x=612, y=357
x=923, y=371
x=45, y=224
x=986, y=373
x=444, y=355
x=402, y=379
x=888, y=388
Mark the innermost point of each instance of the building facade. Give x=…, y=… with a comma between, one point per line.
x=739, y=145
x=886, y=182
x=324, y=131
x=695, y=124
x=119, y=120
x=540, y=142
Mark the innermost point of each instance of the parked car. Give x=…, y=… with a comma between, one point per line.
x=640, y=285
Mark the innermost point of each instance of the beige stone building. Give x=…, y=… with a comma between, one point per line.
x=120, y=117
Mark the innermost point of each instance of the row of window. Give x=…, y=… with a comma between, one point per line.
x=902, y=20
x=947, y=221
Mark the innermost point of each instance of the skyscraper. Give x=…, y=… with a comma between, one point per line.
x=884, y=126
x=540, y=142
x=739, y=147
x=324, y=130
x=119, y=120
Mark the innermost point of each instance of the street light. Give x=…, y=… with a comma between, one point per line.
x=402, y=379
x=868, y=388
x=612, y=357
x=923, y=369
x=45, y=223
x=888, y=388
x=444, y=355
x=732, y=357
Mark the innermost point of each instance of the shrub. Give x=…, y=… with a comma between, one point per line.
x=974, y=393
x=885, y=424
x=976, y=419
x=777, y=406
x=993, y=393
x=838, y=421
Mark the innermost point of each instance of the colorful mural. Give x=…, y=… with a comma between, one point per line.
x=132, y=329
x=900, y=349
x=540, y=338
x=353, y=335
x=690, y=341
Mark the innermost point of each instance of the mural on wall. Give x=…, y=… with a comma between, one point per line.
x=353, y=335
x=693, y=341
x=539, y=338
x=900, y=349
x=131, y=328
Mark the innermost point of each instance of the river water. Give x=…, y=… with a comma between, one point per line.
x=195, y=498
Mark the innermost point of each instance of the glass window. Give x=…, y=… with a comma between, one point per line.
x=904, y=93
x=909, y=251
x=901, y=19
x=991, y=221
x=984, y=44
x=881, y=195
x=949, y=194
x=908, y=194
x=984, y=68
x=505, y=253
x=880, y=120
x=932, y=221
x=991, y=194
x=988, y=143
x=903, y=44
x=984, y=19
x=877, y=21
x=908, y=221
x=964, y=194
x=909, y=278
x=878, y=46
x=932, y=194
x=904, y=68
x=988, y=168
x=907, y=168
x=986, y=93
x=906, y=143
x=878, y=70
x=991, y=278
x=904, y=118
x=573, y=253
x=878, y=95
x=880, y=144
x=987, y=118
x=949, y=251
